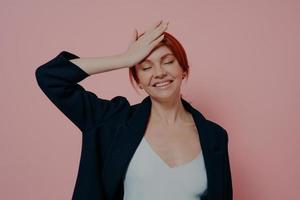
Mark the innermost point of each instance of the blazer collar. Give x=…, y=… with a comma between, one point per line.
x=139, y=120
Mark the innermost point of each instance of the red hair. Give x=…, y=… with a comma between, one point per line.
x=175, y=47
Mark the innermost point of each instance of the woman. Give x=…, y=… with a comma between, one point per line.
x=161, y=148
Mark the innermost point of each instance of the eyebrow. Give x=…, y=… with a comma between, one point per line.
x=167, y=54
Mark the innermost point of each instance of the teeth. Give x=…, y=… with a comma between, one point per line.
x=162, y=84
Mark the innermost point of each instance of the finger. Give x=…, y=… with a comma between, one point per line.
x=150, y=35
x=156, y=33
x=134, y=36
x=141, y=35
x=154, y=26
x=157, y=41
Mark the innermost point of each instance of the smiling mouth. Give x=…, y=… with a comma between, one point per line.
x=162, y=85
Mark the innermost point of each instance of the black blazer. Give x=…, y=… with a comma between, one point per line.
x=112, y=130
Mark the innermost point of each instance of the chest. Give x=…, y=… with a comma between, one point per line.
x=176, y=145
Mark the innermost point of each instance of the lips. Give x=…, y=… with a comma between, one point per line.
x=162, y=83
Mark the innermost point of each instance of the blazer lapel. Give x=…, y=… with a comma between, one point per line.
x=123, y=148
x=130, y=135
x=212, y=153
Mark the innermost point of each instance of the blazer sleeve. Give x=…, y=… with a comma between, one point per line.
x=227, y=178
x=59, y=78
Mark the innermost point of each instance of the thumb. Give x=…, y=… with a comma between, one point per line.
x=134, y=36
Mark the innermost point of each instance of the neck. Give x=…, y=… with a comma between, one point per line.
x=169, y=112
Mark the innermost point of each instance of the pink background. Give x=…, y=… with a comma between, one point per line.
x=244, y=58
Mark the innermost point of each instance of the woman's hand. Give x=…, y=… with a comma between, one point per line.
x=141, y=46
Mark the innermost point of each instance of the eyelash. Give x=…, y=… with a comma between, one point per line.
x=164, y=63
x=170, y=62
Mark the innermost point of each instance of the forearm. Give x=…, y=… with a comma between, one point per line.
x=59, y=80
x=94, y=65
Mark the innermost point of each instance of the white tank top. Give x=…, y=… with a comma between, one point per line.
x=148, y=177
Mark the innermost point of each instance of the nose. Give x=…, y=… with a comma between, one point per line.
x=159, y=72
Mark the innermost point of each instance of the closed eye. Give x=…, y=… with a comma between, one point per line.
x=170, y=62
x=146, y=68
x=164, y=63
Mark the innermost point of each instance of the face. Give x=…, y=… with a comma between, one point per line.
x=160, y=74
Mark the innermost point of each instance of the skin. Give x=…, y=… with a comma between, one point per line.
x=166, y=103
x=171, y=131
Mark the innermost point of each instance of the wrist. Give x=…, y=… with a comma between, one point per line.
x=124, y=59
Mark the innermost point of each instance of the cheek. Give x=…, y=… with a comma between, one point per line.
x=143, y=78
x=176, y=71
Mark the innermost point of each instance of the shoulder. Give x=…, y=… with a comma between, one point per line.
x=217, y=129
x=113, y=109
x=120, y=101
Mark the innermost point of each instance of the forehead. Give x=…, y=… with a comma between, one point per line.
x=159, y=53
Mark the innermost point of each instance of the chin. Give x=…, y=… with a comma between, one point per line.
x=164, y=97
